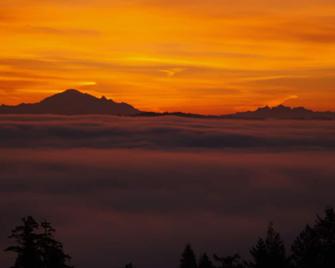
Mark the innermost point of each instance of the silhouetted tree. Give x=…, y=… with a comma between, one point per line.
x=230, y=261
x=306, y=249
x=269, y=252
x=205, y=262
x=26, y=247
x=36, y=246
x=129, y=265
x=52, y=250
x=188, y=259
x=315, y=246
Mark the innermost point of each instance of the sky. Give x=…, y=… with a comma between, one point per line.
x=211, y=57
x=122, y=190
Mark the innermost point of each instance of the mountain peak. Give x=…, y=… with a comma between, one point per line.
x=265, y=108
x=282, y=112
x=72, y=102
x=273, y=108
x=71, y=91
x=282, y=107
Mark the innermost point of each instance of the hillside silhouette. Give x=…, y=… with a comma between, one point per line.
x=72, y=102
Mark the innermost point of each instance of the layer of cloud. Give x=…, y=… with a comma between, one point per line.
x=163, y=133
x=114, y=206
x=131, y=189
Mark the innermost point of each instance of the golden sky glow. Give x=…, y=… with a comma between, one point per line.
x=215, y=56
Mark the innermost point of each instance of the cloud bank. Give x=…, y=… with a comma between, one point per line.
x=137, y=189
x=162, y=133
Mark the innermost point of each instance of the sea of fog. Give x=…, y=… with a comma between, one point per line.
x=122, y=189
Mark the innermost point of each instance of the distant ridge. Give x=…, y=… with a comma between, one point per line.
x=71, y=102
x=281, y=112
x=277, y=112
x=74, y=102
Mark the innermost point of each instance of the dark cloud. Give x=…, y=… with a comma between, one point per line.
x=132, y=189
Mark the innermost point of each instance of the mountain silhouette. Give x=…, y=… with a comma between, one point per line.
x=281, y=112
x=72, y=102
x=277, y=112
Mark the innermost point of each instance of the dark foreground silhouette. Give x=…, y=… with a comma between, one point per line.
x=36, y=247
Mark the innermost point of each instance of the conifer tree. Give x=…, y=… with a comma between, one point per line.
x=269, y=252
x=315, y=246
x=205, y=262
x=51, y=249
x=129, y=265
x=234, y=261
x=26, y=244
x=36, y=247
x=188, y=259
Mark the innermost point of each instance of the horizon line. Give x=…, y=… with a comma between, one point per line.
x=173, y=111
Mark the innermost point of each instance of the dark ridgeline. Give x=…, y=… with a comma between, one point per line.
x=282, y=112
x=36, y=247
x=278, y=112
x=72, y=102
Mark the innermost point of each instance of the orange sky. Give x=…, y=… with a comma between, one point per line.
x=215, y=56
